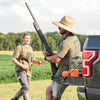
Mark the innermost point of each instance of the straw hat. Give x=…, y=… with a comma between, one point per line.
x=66, y=23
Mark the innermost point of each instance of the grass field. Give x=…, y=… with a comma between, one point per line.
x=8, y=74
x=37, y=87
x=37, y=53
x=37, y=91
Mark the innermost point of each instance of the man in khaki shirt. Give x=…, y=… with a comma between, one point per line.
x=69, y=48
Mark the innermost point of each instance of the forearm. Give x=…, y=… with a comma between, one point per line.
x=53, y=59
x=16, y=62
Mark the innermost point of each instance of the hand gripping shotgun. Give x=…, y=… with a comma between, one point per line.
x=48, y=49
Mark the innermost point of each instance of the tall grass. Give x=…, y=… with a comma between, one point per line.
x=8, y=74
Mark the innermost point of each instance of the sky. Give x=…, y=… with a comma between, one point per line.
x=15, y=17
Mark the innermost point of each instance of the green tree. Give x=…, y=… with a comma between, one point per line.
x=11, y=40
x=51, y=42
x=82, y=40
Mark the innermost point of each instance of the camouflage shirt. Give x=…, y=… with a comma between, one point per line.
x=68, y=49
x=25, y=56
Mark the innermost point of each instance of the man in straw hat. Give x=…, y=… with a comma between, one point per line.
x=68, y=49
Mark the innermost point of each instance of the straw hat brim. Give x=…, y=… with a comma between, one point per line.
x=65, y=27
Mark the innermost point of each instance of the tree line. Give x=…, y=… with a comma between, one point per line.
x=9, y=41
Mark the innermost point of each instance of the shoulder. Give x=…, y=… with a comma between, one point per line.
x=30, y=47
x=71, y=39
x=17, y=51
x=19, y=46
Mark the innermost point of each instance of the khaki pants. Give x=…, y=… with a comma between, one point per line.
x=57, y=89
x=24, y=81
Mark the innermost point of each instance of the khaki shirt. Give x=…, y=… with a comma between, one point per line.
x=25, y=56
x=68, y=48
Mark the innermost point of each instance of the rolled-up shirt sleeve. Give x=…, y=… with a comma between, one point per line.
x=17, y=52
x=63, y=49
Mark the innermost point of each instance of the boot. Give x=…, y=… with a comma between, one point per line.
x=18, y=95
x=26, y=96
x=14, y=98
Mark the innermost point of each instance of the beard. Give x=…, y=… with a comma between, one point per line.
x=62, y=33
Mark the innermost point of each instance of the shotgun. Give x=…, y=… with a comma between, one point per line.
x=48, y=49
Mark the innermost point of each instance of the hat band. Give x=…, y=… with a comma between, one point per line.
x=71, y=26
